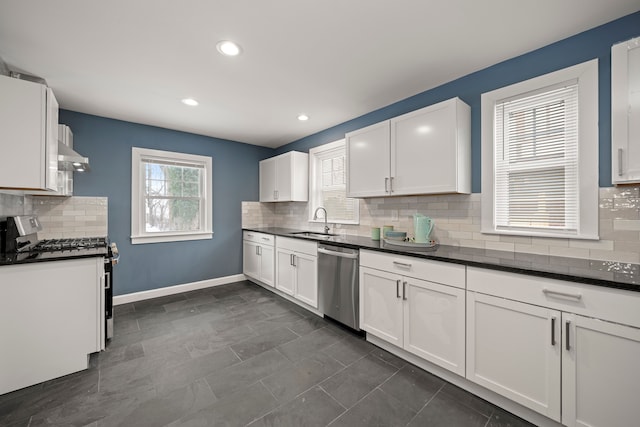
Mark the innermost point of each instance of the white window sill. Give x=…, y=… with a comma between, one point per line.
x=138, y=240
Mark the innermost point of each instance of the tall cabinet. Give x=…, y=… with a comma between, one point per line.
x=29, y=123
x=625, y=112
x=427, y=151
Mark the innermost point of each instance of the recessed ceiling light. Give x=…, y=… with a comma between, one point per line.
x=303, y=117
x=228, y=48
x=190, y=101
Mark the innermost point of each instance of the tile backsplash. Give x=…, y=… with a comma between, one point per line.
x=457, y=223
x=60, y=216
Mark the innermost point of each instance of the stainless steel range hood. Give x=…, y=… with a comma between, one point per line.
x=69, y=160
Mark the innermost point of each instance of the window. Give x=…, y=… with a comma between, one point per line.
x=328, y=185
x=540, y=156
x=171, y=196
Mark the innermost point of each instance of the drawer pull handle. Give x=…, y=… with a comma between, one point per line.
x=404, y=291
x=402, y=264
x=568, y=330
x=620, y=155
x=566, y=295
x=266, y=239
x=398, y=288
x=386, y=184
x=553, y=331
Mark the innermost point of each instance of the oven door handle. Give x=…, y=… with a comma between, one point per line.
x=107, y=280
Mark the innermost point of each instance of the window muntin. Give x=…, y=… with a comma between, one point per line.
x=328, y=187
x=171, y=196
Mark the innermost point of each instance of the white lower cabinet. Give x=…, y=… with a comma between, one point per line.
x=297, y=269
x=561, y=350
x=258, y=260
x=419, y=316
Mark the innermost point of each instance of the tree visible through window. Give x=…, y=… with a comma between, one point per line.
x=173, y=194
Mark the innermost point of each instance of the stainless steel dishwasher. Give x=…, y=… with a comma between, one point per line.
x=338, y=284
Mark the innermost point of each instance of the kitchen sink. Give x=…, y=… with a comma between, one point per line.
x=313, y=235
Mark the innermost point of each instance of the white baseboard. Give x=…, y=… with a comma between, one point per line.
x=176, y=289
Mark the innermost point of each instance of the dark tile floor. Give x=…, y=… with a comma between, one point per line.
x=238, y=355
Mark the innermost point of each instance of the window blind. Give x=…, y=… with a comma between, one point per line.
x=536, y=160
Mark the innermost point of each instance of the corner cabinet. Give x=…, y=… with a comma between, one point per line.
x=625, y=112
x=285, y=178
x=258, y=259
x=566, y=350
x=297, y=269
x=29, y=123
x=427, y=151
x=417, y=305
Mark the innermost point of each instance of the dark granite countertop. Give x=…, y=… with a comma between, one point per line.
x=27, y=258
x=611, y=274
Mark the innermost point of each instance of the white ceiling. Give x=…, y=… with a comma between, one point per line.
x=332, y=59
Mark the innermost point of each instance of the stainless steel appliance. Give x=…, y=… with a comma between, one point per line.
x=19, y=243
x=338, y=292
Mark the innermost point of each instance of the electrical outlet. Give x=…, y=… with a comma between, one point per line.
x=394, y=215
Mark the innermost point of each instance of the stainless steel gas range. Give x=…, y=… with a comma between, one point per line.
x=19, y=244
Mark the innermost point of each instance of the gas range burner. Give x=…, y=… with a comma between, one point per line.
x=51, y=245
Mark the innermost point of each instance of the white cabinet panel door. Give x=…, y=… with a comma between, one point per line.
x=514, y=349
x=434, y=326
x=268, y=180
x=250, y=260
x=423, y=154
x=600, y=375
x=381, y=305
x=283, y=177
x=267, y=265
x=306, y=289
x=285, y=271
x=368, y=161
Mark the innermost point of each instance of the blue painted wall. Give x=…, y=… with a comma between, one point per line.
x=108, y=144
x=595, y=43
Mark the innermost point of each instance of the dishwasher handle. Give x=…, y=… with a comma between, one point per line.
x=339, y=254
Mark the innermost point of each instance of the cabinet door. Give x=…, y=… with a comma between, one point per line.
x=434, y=327
x=52, y=142
x=368, y=161
x=381, y=305
x=283, y=177
x=267, y=265
x=250, y=260
x=625, y=111
x=514, y=350
x=600, y=376
x=285, y=271
x=306, y=279
x=268, y=180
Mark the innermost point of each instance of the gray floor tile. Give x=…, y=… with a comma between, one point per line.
x=412, y=386
x=293, y=380
x=311, y=409
x=308, y=325
x=265, y=341
x=277, y=321
x=114, y=355
x=501, y=418
x=208, y=343
x=347, y=351
x=376, y=409
x=468, y=399
x=444, y=411
x=357, y=380
x=240, y=375
x=309, y=344
x=237, y=409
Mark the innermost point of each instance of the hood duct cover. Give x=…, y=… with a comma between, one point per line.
x=69, y=160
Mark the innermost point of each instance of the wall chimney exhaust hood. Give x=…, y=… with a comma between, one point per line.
x=69, y=160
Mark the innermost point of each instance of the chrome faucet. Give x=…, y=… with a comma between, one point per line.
x=315, y=217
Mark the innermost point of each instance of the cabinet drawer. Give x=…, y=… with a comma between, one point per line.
x=615, y=305
x=433, y=271
x=262, y=238
x=297, y=245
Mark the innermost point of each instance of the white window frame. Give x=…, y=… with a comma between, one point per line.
x=586, y=74
x=138, y=233
x=314, y=186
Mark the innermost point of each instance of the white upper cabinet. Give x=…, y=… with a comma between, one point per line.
x=285, y=178
x=427, y=151
x=625, y=112
x=29, y=123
